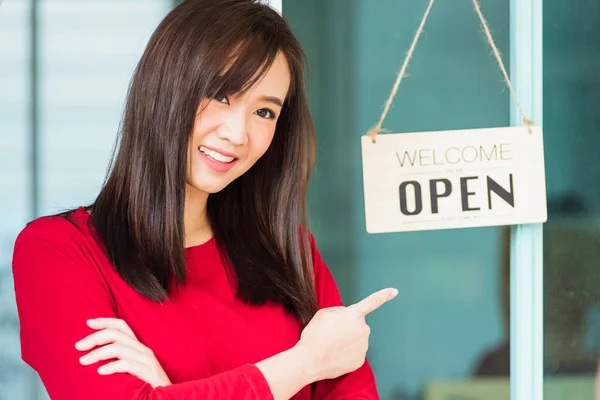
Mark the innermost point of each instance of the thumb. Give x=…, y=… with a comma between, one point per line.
x=374, y=301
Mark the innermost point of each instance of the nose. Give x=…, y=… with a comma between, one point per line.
x=234, y=129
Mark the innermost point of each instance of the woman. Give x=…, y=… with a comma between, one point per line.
x=192, y=275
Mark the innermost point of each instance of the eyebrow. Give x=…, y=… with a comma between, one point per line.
x=275, y=100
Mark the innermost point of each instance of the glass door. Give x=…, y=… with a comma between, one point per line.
x=447, y=333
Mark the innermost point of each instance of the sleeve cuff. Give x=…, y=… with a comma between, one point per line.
x=257, y=382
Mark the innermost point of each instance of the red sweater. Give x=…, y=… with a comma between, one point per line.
x=205, y=339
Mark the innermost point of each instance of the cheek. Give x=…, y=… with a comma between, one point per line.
x=260, y=141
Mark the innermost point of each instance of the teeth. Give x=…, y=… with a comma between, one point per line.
x=216, y=156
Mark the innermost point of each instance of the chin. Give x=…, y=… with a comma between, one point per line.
x=209, y=188
x=215, y=189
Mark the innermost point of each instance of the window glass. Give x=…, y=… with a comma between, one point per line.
x=572, y=233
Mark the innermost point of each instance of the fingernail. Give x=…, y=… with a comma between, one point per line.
x=102, y=370
x=83, y=360
x=394, y=292
x=78, y=345
x=91, y=322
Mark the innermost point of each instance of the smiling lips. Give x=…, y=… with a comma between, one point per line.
x=216, y=160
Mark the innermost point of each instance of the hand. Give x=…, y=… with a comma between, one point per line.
x=115, y=340
x=337, y=338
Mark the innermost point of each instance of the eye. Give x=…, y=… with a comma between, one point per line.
x=265, y=113
x=222, y=99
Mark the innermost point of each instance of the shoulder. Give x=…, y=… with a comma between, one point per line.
x=56, y=229
x=317, y=260
x=53, y=240
x=325, y=286
x=58, y=256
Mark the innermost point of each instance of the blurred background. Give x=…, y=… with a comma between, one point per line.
x=64, y=70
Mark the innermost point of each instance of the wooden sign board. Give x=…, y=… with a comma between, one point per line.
x=454, y=179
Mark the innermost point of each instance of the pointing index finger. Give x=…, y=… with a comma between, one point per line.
x=374, y=301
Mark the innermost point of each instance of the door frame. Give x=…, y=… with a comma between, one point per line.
x=526, y=253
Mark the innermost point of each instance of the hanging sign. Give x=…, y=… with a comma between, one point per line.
x=454, y=179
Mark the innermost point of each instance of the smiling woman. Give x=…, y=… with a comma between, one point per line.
x=193, y=274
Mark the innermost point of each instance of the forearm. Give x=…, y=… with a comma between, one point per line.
x=288, y=372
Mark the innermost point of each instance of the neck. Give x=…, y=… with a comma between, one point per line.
x=196, y=224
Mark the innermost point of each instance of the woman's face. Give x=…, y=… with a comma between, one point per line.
x=231, y=133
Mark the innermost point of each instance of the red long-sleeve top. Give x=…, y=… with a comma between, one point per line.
x=206, y=341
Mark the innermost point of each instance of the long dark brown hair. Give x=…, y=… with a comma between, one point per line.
x=205, y=48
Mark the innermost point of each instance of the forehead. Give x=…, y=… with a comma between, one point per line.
x=275, y=81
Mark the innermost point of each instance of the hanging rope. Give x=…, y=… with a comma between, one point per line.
x=378, y=128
